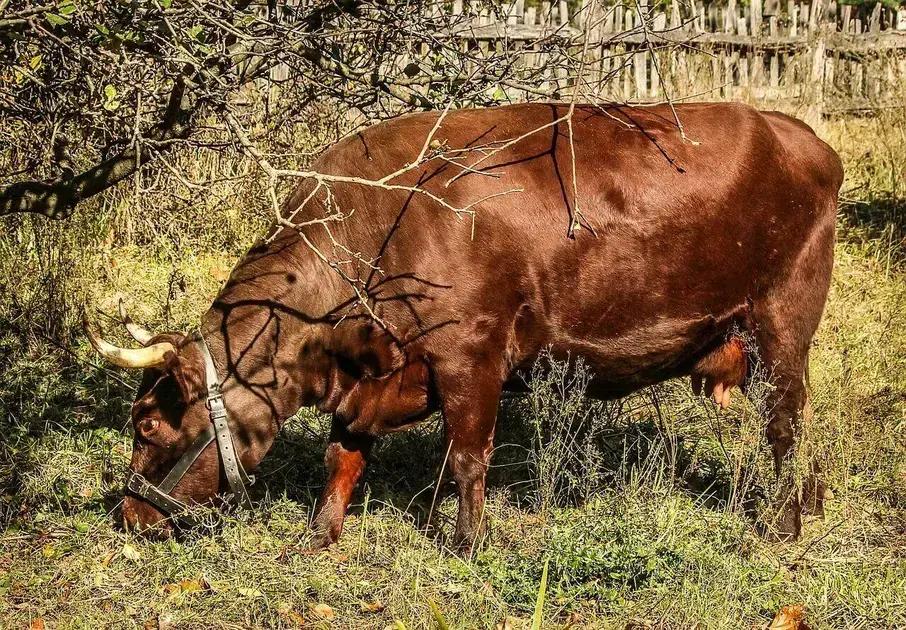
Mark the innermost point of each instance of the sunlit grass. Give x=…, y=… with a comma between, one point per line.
x=648, y=532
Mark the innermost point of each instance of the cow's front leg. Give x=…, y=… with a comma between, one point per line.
x=345, y=461
x=470, y=414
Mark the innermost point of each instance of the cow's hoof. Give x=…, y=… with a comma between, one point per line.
x=786, y=527
x=322, y=539
x=317, y=545
x=815, y=494
x=462, y=549
x=465, y=544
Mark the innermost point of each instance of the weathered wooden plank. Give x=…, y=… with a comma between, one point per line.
x=756, y=70
x=755, y=18
x=511, y=17
x=640, y=60
x=792, y=12
x=886, y=41
x=609, y=19
x=775, y=71
x=874, y=23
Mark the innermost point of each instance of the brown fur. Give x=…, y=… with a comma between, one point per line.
x=684, y=232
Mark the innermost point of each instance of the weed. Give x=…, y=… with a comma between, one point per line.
x=638, y=509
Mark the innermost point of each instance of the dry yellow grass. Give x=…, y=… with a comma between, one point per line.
x=660, y=543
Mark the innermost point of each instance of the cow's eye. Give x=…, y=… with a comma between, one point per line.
x=148, y=427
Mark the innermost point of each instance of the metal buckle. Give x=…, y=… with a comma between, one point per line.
x=137, y=484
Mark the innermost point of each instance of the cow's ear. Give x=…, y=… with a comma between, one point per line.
x=188, y=376
x=363, y=349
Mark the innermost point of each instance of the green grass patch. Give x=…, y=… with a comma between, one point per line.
x=640, y=523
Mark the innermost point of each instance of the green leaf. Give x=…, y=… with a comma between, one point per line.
x=194, y=31
x=245, y=19
x=439, y=620
x=67, y=8
x=166, y=3
x=55, y=20
x=539, y=604
x=35, y=62
x=111, y=102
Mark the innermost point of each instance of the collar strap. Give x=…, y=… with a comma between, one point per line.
x=232, y=467
x=219, y=430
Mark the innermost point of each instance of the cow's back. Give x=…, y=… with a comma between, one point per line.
x=671, y=236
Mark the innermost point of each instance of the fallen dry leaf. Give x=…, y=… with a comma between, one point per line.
x=246, y=591
x=130, y=552
x=220, y=272
x=510, y=623
x=187, y=586
x=574, y=619
x=294, y=617
x=323, y=611
x=37, y=624
x=789, y=618
x=374, y=606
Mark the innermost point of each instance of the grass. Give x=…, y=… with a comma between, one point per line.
x=640, y=523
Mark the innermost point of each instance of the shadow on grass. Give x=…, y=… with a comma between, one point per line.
x=879, y=220
x=404, y=468
x=83, y=401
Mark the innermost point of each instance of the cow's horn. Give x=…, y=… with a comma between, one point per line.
x=149, y=356
x=138, y=333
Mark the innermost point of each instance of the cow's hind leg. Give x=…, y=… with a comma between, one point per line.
x=785, y=322
x=470, y=396
x=785, y=405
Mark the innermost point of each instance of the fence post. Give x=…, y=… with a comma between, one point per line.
x=640, y=58
x=818, y=41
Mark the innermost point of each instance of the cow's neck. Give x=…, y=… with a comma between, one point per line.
x=275, y=297
x=260, y=389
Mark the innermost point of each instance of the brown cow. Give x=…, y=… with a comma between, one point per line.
x=680, y=241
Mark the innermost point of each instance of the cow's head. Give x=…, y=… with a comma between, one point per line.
x=168, y=413
x=348, y=370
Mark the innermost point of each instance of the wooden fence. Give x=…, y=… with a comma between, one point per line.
x=833, y=56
